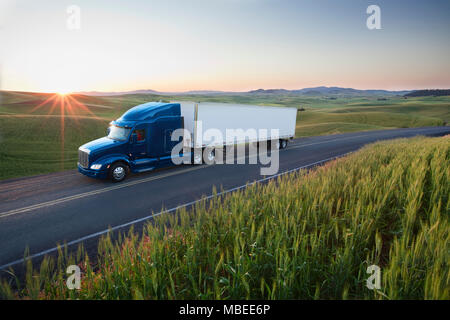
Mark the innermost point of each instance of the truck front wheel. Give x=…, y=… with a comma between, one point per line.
x=118, y=172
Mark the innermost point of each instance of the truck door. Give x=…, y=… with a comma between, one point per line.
x=168, y=126
x=138, y=145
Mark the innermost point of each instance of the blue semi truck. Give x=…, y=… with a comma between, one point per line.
x=141, y=139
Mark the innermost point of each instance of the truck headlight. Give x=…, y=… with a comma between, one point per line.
x=96, y=166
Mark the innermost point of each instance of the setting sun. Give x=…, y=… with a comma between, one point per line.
x=62, y=91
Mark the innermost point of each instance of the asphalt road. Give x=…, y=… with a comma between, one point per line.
x=41, y=211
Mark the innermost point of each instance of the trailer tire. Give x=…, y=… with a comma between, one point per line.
x=118, y=171
x=283, y=144
x=210, y=155
x=275, y=144
x=197, y=156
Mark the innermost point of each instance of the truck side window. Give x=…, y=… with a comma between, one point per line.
x=140, y=133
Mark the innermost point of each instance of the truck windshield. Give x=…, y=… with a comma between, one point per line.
x=118, y=133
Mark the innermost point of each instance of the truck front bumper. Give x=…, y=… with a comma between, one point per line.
x=100, y=174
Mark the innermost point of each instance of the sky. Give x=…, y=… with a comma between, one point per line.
x=229, y=45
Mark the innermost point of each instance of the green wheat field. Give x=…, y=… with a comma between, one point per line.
x=307, y=235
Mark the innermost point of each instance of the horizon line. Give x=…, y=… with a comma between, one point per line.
x=224, y=91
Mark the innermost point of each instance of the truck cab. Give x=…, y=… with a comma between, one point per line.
x=140, y=140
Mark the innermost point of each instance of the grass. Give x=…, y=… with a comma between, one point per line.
x=32, y=141
x=34, y=146
x=308, y=235
x=311, y=123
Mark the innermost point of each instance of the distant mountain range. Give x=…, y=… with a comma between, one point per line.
x=315, y=91
x=149, y=91
x=432, y=92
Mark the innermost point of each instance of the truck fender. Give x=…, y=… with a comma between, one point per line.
x=110, y=160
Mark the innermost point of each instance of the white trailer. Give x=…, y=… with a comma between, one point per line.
x=225, y=120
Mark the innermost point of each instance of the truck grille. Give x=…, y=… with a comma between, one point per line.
x=83, y=158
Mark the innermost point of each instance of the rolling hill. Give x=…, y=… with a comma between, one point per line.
x=41, y=132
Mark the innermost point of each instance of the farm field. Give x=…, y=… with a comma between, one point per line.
x=306, y=235
x=35, y=138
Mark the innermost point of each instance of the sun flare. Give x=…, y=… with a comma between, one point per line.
x=62, y=92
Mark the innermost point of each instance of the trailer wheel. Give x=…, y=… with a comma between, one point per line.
x=276, y=144
x=210, y=155
x=118, y=172
x=197, y=156
x=283, y=143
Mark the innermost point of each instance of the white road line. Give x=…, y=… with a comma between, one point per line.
x=93, y=235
